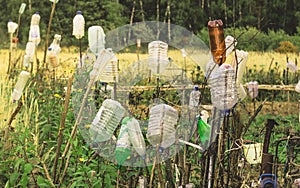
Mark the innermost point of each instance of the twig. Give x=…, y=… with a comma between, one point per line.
x=48, y=31
x=62, y=125
x=13, y=115
x=47, y=173
x=253, y=117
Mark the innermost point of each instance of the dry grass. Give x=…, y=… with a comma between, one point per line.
x=69, y=58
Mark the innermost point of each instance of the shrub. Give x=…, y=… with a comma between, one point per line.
x=286, y=47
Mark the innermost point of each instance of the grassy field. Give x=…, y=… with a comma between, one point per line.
x=68, y=59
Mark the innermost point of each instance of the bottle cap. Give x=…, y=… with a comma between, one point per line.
x=196, y=87
x=37, y=12
x=79, y=12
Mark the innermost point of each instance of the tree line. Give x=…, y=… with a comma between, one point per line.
x=280, y=16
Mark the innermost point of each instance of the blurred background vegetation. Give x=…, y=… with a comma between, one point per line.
x=264, y=23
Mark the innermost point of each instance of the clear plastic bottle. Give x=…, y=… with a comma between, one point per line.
x=26, y=61
x=123, y=144
x=55, y=45
x=161, y=127
x=78, y=25
x=253, y=89
x=96, y=38
x=194, y=97
x=110, y=73
x=101, y=62
x=223, y=87
x=20, y=85
x=158, y=56
x=136, y=136
x=52, y=58
x=30, y=50
x=106, y=121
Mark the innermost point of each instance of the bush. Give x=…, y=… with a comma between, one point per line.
x=286, y=47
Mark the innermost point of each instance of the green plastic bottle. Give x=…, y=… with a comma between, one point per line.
x=123, y=143
x=203, y=130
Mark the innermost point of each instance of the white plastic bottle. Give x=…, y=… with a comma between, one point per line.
x=136, y=136
x=96, y=38
x=194, y=97
x=30, y=50
x=55, y=45
x=106, y=121
x=78, y=25
x=158, y=56
x=34, y=34
x=35, y=19
x=223, y=87
x=34, y=31
x=161, y=128
x=20, y=85
x=12, y=26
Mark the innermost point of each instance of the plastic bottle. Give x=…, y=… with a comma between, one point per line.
x=217, y=41
x=292, y=66
x=12, y=26
x=223, y=87
x=123, y=144
x=22, y=8
x=34, y=31
x=106, y=121
x=194, y=97
x=55, y=45
x=56, y=1
x=242, y=94
x=253, y=89
x=101, y=62
x=78, y=25
x=203, y=130
x=35, y=19
x=96, y=38
x=52, y=58
x=30, y=50
x=211, y=67
x=110, y=73
x=230, y=44
x=34, y=34
x=161, y=128
x=26, y=61
x=242, y=58
x=158, y=56
x=136, y=136
x=53, y=51
x=20, y=85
